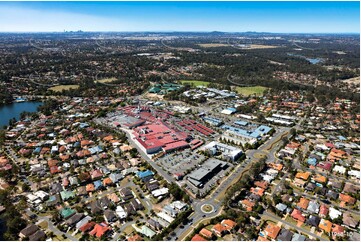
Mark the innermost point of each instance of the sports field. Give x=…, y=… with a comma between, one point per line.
x=246, y=91
x=105, y=80
x=212, y=45
x=194, y=82
x=63, y=87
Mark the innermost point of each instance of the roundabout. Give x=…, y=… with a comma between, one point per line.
x=207, y=208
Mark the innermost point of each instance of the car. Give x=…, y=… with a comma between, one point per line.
x=326, y=201
x=203, y=215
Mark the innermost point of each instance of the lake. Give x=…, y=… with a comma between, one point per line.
x=311, y=60
x=14, y=110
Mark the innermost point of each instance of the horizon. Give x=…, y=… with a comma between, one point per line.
x=175, y=31
x=228, y=17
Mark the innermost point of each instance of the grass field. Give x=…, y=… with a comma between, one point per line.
x=263, y=46
x=246, y=91
x=105, y=80
x=212, y=45
x=195, y=82
x=63, y=87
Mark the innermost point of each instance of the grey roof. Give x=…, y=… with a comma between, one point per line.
x=355, y=236
x=281, y=207
x=110, y=215
x=74, y=219
x=313, y=207
x=332, y=194
x=29, y=230
x=207, y=167
x=313, y=220
x=298, y=237
x=37, y=236
x=285, y=235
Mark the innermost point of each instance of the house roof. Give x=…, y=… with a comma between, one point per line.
x=313, y=220
x=67, y=212
x=325, y=225
x=99, y=230
x=347, y=199
x=260, y=238
x=349, y=220
x=285, y=235
x=296, y=214
x=86, y=227
x=228, y=223
x=298, y=237
x=303, y=175
x=303, y=203
x=272, y=230
x=218, y=228
x=37, y=236
x=323, y=210
x=206, y=233
x=29, y=230
x=135, y=237
x=197, y=237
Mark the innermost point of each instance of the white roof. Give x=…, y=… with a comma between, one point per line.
x=178, y=205
x=160, y=192
x=165, y=216
x=227, y=111
x=31, y=197
x=83, y=221
x=41, y=194
x=334, y=213
x=121, y=213
x=339, y=169
x=354, y=173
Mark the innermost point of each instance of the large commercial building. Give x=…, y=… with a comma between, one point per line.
x=156, y=137
x=241, y=135
x=228, y=152
x=210, y=168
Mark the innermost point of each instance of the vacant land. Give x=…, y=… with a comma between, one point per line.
x=246, y=91
x=63, y=87
x=106, y=80
x=212, y=45
x=194, y=83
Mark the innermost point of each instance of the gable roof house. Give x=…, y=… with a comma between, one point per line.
x=272, y=230
x=285, y=235
x=313, y=221
x=29, y=230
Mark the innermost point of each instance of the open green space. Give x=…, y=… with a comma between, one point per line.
x=194, y=83
x=105, y=80
x=63, y=87
x=247, y=91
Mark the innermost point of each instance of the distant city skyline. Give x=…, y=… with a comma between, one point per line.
x=274, y=17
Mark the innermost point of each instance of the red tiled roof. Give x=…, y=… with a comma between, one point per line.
x=197, y=237
x=296, y=214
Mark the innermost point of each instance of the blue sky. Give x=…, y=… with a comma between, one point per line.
x=279, y=17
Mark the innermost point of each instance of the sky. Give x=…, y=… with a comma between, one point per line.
x=276, y=17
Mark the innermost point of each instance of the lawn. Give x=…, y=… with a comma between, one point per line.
x=128, y=230
x=105, y=80
x=213, y=45
x=246, y=91
x=43, y=224
x=63, y=87
x=194, y=82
